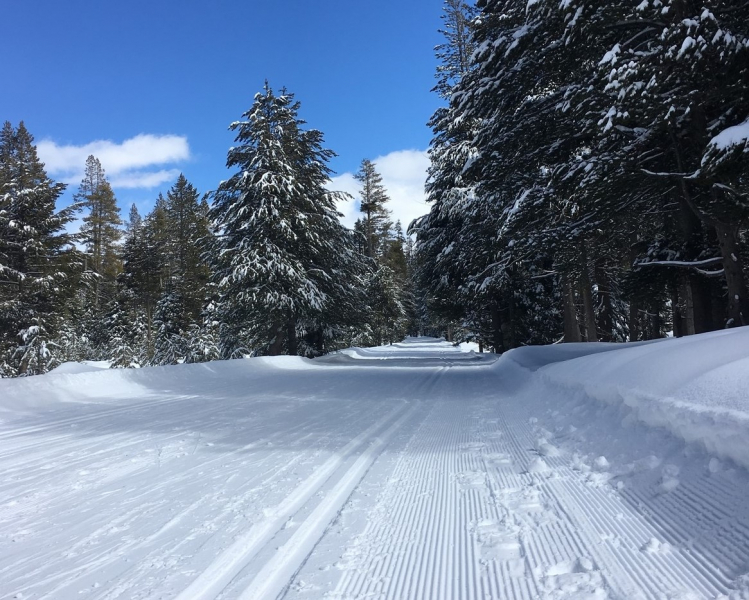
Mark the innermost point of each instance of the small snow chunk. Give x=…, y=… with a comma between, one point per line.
x=538, y=465
x=714, y=466
x=646, y=464
x=655, y=546
x=670, y=480
x=578, y=464
x=544, y=448
x=601, y=464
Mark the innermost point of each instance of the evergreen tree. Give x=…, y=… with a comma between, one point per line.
x=440, y=234
x=141, y=281
x=123, y=341
x=170, y=345
x=696, y=65
x=37, y=258
x=100, y=230
x=376, y=222
x=571, y=123
x=187, y=227
x=389, y=317
x=277, y=231
x=454, y=54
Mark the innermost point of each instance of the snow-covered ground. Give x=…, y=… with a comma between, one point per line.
x=411, y=471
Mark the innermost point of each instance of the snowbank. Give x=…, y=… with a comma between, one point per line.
x=696, y=387
x=85, y=366
x=535, y=357
x=92, y=383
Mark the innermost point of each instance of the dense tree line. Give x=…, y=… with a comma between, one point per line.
x=589, y=173
x=262, y=265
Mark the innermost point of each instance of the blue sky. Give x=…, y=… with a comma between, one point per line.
x=151, y=87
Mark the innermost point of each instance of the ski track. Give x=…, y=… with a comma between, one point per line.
x=353, y=479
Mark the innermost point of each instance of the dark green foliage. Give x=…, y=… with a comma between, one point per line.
x=37, y=257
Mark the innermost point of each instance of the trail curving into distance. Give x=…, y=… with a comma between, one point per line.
x=409, y=471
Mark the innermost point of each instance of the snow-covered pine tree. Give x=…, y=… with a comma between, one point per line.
x=277, y=231
x=203, y=340
x=676, y=92
x=37, y=257
x=170, y=343
x=123, y=341
x=439, y=233
x=454, y=54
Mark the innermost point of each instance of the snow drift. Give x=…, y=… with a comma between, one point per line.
x=696, y=387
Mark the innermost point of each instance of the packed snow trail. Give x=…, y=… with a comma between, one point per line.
x=408, y=471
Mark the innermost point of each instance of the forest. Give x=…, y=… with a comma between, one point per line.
x=588, y=181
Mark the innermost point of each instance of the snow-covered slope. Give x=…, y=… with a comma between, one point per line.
x=409, y=471
x=696, y=387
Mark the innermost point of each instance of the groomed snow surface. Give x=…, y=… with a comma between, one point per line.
x=418, y=470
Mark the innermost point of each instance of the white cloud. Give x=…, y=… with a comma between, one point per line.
x=129, y=164
x=142, y=179
x=403, y=174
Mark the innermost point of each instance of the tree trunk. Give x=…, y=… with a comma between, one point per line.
x=676, y=316
x=586, y=293
x=571, y=327
x=606, y=313
x=686, y=293
x=656, y=323
x=277, y=344
x=718, y=305
x=700, y=292
x=292, y=346
x=510, y=338
x=498, y=340
x=738, y=298
x=591, y=335
x=634, y=321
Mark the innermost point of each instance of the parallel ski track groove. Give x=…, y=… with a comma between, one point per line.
x=685, y=568
x=99, y=559
x=273, y=578
x=227, y=565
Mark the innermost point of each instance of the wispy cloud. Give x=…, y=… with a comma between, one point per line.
x=134, y=163
x=141, y=179
x=403, y=174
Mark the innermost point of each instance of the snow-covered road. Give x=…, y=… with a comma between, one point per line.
x=413, y=471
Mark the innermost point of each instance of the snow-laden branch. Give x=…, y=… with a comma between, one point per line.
x=738, y=135
x=718, y=273
x=680, y=263
x=671, y=174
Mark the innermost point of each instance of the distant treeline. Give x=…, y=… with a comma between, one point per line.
x=262, y=265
